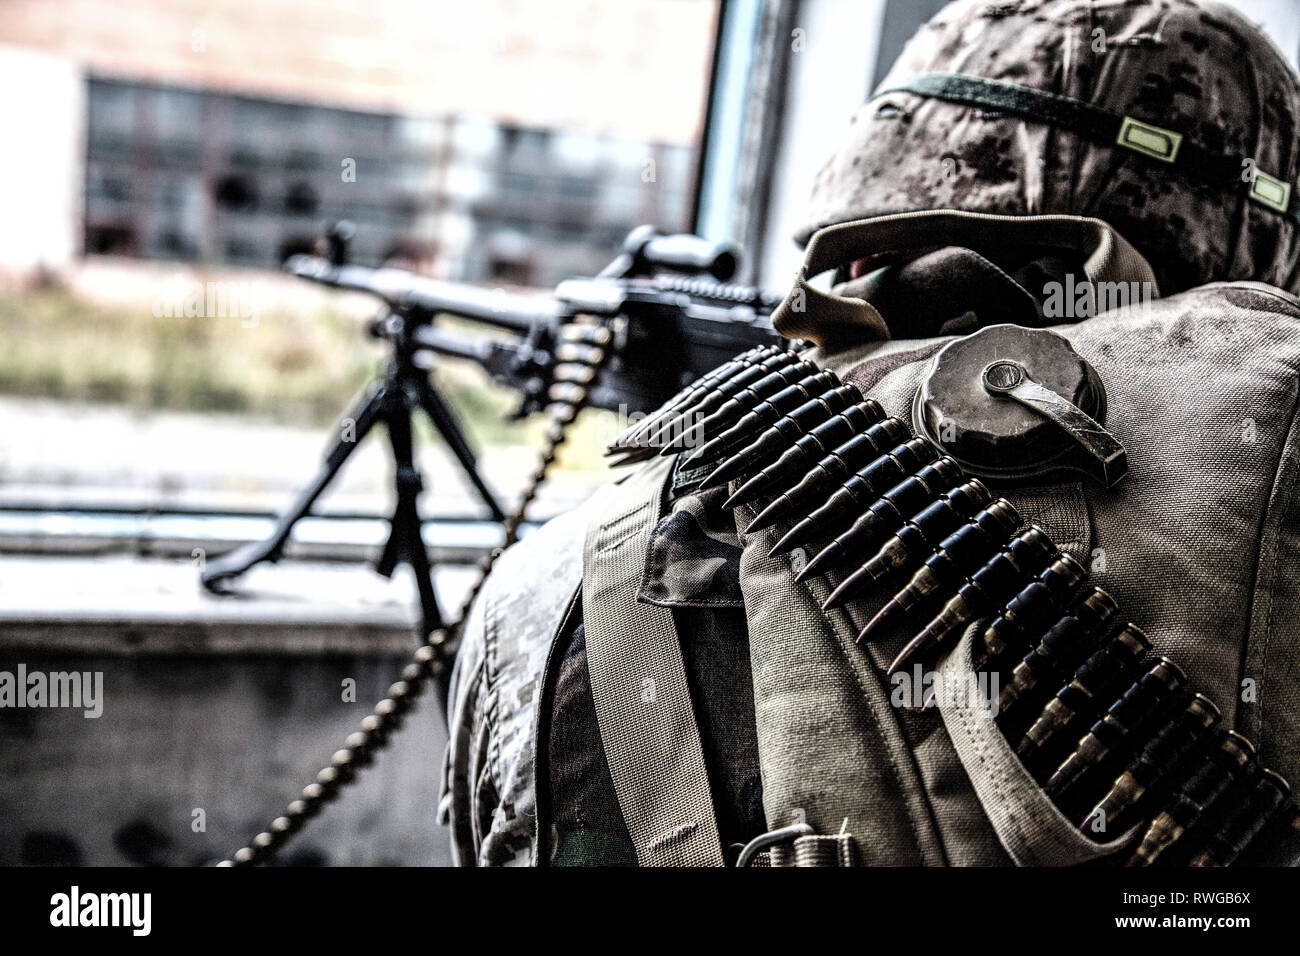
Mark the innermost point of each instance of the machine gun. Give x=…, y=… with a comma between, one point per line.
x=660, y=315
x=663, y=297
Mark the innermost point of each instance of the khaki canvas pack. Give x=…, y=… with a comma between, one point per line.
x=1200, y=544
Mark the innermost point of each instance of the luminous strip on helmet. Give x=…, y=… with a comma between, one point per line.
x=1107, y=127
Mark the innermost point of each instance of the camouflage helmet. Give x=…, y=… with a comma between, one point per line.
x=1171, y=120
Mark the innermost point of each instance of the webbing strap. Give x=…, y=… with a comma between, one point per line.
x=638, y=683
x=819, y=850
x=1108, y=128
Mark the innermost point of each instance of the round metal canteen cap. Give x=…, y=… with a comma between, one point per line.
x=1015, y=403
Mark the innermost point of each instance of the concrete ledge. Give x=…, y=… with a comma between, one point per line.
x=214, y=708
x=130, y=605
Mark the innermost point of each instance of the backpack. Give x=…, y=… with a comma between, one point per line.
x=1196, y=548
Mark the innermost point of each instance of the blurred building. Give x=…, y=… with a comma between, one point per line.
x=486, y=142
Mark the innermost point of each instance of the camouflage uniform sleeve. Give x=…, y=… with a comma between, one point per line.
x=468, y=731
x=489, y=793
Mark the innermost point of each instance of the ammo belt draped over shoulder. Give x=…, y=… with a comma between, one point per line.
x=1133, y=761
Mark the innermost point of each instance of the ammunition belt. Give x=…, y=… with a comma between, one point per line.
x=1116, y=740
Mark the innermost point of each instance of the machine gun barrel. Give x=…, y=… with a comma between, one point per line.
x=407, y=293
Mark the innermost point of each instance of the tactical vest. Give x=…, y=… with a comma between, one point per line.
x=1128, y=594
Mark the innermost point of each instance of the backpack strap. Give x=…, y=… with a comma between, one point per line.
x=638, y=684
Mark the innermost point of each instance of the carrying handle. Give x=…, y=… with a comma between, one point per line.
x=1097, y=453
x=832, y=322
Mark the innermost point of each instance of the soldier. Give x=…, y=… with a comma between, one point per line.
x=1057, y=452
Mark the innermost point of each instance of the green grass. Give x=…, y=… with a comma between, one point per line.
x=300, y=367
x=288, y=367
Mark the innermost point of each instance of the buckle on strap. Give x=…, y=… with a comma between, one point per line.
x=770, y=839
x=806, y=848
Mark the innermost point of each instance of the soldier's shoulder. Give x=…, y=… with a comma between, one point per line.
x=500, y=672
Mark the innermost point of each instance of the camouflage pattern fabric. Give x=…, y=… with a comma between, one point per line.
x=694, y=557
x=1198, y=69
x=489, y=787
